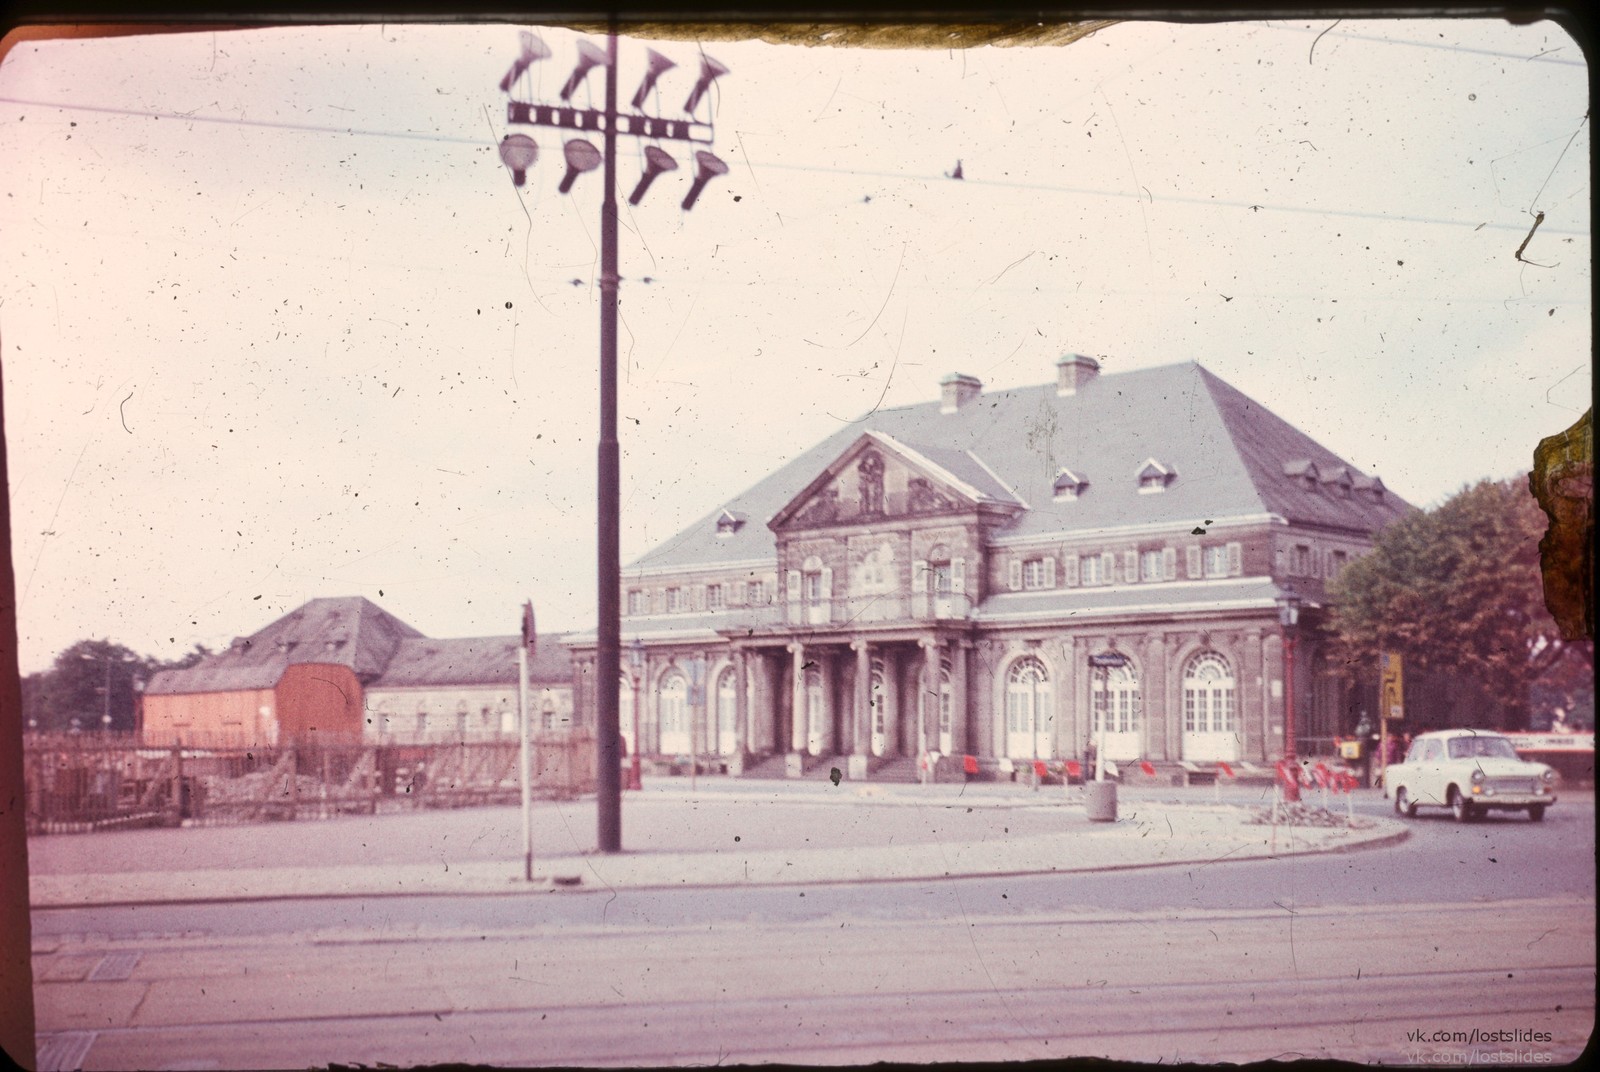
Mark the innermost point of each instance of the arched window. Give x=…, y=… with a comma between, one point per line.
x=1029, y=722
x=1210, y=715
x=1117, y=703
x=727, y=712
x=672, y=711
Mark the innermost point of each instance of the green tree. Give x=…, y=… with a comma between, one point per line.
x=89, y=680
x=1456, y=591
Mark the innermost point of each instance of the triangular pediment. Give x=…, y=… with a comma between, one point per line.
x=879, y=477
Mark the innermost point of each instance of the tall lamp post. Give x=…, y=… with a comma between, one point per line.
x=636, y=663
x=697, y=704
x=105, y=690
x=1289, y=618
x=519, y=152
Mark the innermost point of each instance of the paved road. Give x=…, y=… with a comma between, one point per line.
x=1487, y=926
x=1214, y=987
x=1503, y=857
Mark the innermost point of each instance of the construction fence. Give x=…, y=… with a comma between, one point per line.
x=83, y=782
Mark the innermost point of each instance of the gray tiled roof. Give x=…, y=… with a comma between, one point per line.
x=425, y=661
x=380, y=648
x=1227, y=451
x=346, y=631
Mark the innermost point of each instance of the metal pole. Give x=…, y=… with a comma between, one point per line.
x=1291, y=791
x=608, y=654
x=636, y=774
x=1100, y=736
x=525, y=733
x=105, y=715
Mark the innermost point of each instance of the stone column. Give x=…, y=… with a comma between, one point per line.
x=825, y=736
x=797, y=706
x=960, y=713
x=928, y=696
x=861, y=725
x=891, y=703
x=741, y=713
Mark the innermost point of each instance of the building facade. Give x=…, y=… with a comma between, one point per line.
x=934, y=579
x=345, y=669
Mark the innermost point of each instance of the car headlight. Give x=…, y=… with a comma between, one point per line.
x=1549, y=775
x=1477, y=777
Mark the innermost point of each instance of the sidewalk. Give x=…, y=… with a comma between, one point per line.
x=722, y=834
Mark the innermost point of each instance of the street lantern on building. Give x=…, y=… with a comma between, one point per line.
x=1289, y=619
x=582, y=156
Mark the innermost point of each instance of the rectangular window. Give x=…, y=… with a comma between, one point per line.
x=1337, y=562
x=674, y=600
x=1039, y=573
x=1150, y=567
x=1070, y=568
x=636, y=603
x=813, y=587
x=1193, y=557
x=713, y=597
x=1216, y=561
x=1300, y=561
x=1090, y=569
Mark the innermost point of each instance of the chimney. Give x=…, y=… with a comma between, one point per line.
x=1073, y=371
x=957, y=389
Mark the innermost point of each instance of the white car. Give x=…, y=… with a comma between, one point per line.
x=1469, y=772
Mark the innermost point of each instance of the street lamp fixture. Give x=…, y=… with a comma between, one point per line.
x=589, y=57
x=1289, y=619
x=636, y=663
x=707, y=167
x=655, y=65
x=581, y=157
x=533, y=50
x=710, y=71
x=656, y=161
x=518, y=152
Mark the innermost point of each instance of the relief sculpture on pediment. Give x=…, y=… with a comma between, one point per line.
x=822, y=509
x=870, y=474
x=923, y=498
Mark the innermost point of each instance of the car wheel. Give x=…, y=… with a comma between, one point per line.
x=1403, y=804
x=1536, y=812
x=1461, y=807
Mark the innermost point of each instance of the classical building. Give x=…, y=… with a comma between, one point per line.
x=935, y=579
x=346, y=669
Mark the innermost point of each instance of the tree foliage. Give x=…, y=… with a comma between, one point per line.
x=1456, y=591
x=87, y=681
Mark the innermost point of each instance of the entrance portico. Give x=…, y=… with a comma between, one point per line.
x=867, y=698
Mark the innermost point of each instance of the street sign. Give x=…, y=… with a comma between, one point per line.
x=1392, y=690
x=1108, y=659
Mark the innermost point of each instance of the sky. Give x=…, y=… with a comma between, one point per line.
x=276, y=324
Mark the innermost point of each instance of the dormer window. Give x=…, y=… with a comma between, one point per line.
x=1069, y=485
x=729, y=522
x=1154, y=477
x=1305, y=471
x=1370, y=485
x=1340, y=481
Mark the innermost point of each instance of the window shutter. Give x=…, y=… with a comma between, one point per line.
x=958, y=576
x=827, y=593
x=1050, y=572
x=792, y=586
x=1130, y=566
x=1169, y=563
x=1070, y=564
x=1194, y=561
x=1015, y=580
x=1108, y=568
x=921, y=576
x=1235, y=560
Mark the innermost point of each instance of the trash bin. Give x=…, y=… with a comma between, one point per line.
x=1100, y=801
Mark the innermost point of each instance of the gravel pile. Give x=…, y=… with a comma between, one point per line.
x=1303, y=814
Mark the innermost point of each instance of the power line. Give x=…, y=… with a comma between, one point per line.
x=971, y=181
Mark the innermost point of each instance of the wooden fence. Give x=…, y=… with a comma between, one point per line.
x=81, y=782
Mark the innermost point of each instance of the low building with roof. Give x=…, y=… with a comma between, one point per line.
x=346, y=669
x=934, y=579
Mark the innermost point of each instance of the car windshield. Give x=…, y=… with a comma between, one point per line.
x=1470, y=747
